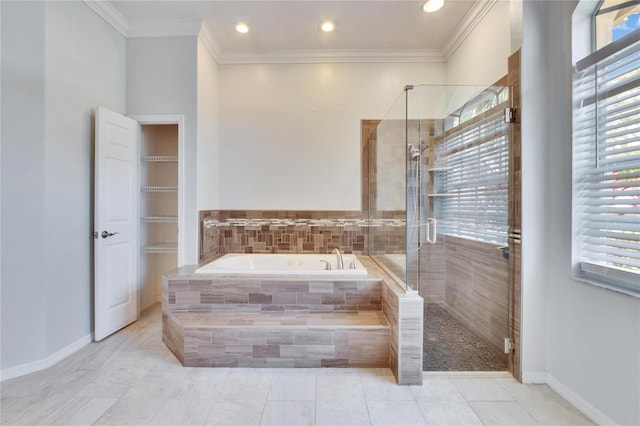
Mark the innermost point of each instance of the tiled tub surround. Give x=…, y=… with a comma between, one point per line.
x=318, y=232
x=288, y=322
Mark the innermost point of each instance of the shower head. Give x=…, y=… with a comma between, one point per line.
x=414, y=152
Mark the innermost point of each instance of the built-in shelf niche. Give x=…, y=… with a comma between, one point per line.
x=161, y=248
x=159, y=219
x=158, y=207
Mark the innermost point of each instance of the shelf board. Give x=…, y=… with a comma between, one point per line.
x=440, y=195
x=159, y=219
x=160, y=248
x=438, y=169
x=160, y=189
x=160, y=158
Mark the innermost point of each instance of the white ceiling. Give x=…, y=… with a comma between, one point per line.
x=287, y=29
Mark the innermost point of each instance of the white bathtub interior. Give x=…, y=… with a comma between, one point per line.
x=283, y=264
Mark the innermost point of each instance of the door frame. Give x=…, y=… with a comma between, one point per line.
x=151, y=119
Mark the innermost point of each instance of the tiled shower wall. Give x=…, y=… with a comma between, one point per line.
x=258, y=231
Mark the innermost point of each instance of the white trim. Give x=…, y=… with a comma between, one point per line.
x=335, y=56
x=163, y=29
x=51, y=360
x=176, y=29
x=579, y=402
x=150, y=302
x=570, y=395
x=535, y=377
x=110, y=14
x=471, y=20
x=211, y=44
x=427, y=375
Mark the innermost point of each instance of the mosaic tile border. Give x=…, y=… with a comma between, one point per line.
x=209, y=222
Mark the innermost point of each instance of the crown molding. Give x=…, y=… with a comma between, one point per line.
x=332, y=56
x=176, y=29
x=210, y=43
x=163, y=29
x=110, y=14
x=470, y=21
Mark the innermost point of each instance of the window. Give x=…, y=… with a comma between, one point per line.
x=615, y=19
x=472, y=170
x=606, y=165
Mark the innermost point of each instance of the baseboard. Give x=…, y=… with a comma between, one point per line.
x=535, y=377
x=147, y=303
x=580, y=403
x=32, y=367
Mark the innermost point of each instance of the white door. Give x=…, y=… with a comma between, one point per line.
x=116, y=222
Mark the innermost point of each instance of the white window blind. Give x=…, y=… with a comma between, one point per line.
x=471, y=179
x=606, y=166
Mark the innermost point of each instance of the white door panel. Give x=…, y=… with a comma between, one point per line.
x=116, y=221
x=118, y=292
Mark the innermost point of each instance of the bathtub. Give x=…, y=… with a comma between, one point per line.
x=282, y=264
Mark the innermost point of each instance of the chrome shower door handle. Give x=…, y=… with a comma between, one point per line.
x=432, y=231
x=106, y=234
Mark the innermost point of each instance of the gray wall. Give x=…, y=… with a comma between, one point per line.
x=23, y=288
x=162, y=79
x=53, y=56
x=585, y=338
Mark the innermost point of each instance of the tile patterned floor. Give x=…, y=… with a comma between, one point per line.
x=450, y=346
x=132, y=379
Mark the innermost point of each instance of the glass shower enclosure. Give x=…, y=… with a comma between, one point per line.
x=439, y=203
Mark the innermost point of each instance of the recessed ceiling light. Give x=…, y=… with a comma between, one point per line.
x=242, y=28
x=328, y=26
x=432, y=5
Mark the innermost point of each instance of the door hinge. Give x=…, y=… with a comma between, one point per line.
x=510, y=115
x=508, y=345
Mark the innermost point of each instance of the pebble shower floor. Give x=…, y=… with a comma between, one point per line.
x=450, y=346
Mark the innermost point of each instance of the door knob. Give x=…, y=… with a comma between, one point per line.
x=106, y=234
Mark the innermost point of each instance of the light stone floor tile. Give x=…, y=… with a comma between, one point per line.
x=339, y=371
x=338, y=413
x=236, y=413
x=449, y=412
x=79, y=411
x=89, y=412
x=502, y=413
x=112, y=385
x=132, y=410
x=245, y=371
x=384, y=388
x=24, y=386
x=200, y=386
x=296, y=371
x=435, y=390
x=245, y=387
x=131, y=378
x=544, y=404
x=289, y=413
x=295, y=387
x=482, y=389
x=395, y=413
x=183, y=412
x=339, y=388
x=33, y=409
